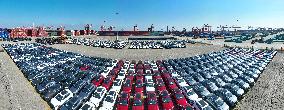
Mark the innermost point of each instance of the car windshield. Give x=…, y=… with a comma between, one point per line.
x=139, y=85
x=150, y=85
x=139, y=81
x=219, y=102
x=86, y=107
x=111, y=93
x=179, y=96
x=97, y=95
x=64, y=92
x=202, y=103
x=137, y=103
x=97, y=78
x=152, y=96
x=109, y=99
x=59, y=97
x=138, y=96
x=152, y=102
x=123, y=102
x=99, y=89
x=166, y=100
x=124, y=95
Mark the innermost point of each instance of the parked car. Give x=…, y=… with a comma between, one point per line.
x=61, y=98
x=138, y=103
x=123, y=101
x=109, y=101
x=152, y=101
x=227, y=96
x=98, y=96
x=216, y=102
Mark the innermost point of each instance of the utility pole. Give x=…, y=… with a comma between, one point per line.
x=117, y=30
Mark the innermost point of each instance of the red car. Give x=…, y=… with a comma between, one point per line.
x=130, y=76
x=166, y=101
x=123, y=101
x=147, y=66
x=140, y=66
x=138, y=102
x=160, y=84
x=112, y=74
x=152, y=101
x=98, y=80
x=138, y=77
x=127, y=86
x=107, y=82
x=157, y=75
x=161, y=68
x=171, y=83
x=180, y=99
x=139, y=86
x=158, y=62
x=166, y=75
x=140, y=71
x=188, y=107
x=84, y=68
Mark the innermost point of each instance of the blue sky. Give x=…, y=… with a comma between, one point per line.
x=179, y=13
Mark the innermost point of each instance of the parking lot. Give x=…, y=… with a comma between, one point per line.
x=140, y=54
x=39, y=82
x=263, y=88
x=16, y=92
x=268, y=90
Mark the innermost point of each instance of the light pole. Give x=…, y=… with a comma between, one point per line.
x=117, y=30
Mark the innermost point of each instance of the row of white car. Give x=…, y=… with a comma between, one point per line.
x=95, y=99
x=103, y=99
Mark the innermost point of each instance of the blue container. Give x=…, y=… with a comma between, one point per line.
x=4, y=34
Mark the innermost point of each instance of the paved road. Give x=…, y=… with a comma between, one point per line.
x=268, y=92
x=16, y=92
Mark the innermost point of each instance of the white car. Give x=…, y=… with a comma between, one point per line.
x=174, y=74
x=150, y=87
x=191, y=95
x=114, y=62
x=116, y=86
x=182, y=83
x=147, y=77
x=109, y=101
x=121, y=75
x=61, y=98
x=98, y=96
x=106, y=71
x=155, y=68
x=202, y=105
x=88, y=106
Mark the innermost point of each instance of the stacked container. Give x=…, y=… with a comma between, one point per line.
x=4, y=34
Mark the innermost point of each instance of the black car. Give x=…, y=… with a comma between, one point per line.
x=236, y=90
x=198, y=77
x=218, y=81
x=225, y=78
x=52, y=91
x=247, y=79
x=209, y=85
x=201, y=90
x=245, y=86
x=87, y=91
x=75, y=88
x=190, y=80
x=72, y=104
x=227, y=96
x=216, y=102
